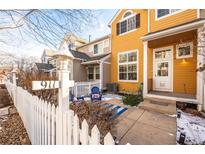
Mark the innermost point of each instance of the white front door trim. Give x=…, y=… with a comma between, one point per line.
x=170, y=63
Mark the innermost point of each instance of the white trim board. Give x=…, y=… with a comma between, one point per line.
x=173, y=31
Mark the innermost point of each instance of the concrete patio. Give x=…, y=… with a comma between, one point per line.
x=148, y=124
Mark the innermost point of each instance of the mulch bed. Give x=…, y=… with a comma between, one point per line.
x=12, y=130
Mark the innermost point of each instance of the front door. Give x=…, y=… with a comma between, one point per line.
x=162, y=69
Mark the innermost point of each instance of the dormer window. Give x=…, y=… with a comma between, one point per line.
x=129, y=22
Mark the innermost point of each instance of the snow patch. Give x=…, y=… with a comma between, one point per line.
x=193, y=127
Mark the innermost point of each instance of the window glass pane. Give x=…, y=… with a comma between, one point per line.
x=90, y=77
x=123, y=58
x=97, y=76
x=123, y=26
x=95, y=48
x=90, y=70
x=123, y=76
x=162, y=69
x=132, y=76
x=184, y=51
x=123, y=68
x=131, y=23
x=132, y=68
x=127, y=14
x=132, y=56
x=162, y=12
x=97, y=70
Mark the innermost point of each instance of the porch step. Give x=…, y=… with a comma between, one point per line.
x=159, y=105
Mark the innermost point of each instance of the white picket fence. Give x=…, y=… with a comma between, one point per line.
x=48, y=125
x=84, y=88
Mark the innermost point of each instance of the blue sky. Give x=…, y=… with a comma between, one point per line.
x=27, y=46
x=101, y=27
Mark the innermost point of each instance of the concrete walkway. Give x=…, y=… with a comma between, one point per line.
x=144, y=125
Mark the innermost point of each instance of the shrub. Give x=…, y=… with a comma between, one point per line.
x=95, y=113
x=132, y=100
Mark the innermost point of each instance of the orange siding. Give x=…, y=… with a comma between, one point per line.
x=129, y=41
x=172, y=20
x=184, y=70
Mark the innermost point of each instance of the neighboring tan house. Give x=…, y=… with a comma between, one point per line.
x=84, y=67
x=98, y=64
x=159, y=49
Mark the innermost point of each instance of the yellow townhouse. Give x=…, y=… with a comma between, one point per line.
x=160, y=49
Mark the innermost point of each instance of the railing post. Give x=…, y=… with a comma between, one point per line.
x=14, y=86
x=89, y=84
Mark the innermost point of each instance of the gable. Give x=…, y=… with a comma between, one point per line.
x=119, y=14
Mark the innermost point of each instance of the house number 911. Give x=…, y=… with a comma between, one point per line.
x=48, y=84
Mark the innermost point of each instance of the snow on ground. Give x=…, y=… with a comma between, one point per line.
x=193, y=126
x=106, y=97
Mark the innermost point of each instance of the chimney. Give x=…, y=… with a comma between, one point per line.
x=89, y=38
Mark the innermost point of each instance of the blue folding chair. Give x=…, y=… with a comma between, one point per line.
x=96, y=94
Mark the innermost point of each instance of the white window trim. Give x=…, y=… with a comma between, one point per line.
x=128, y=32
x=130, y=16
x=183, y=45
x=170, y=14
x=137, y=63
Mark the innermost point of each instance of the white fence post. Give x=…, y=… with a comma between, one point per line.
x=14, y=86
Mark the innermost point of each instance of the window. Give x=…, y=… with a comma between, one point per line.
x=184, y=50
x=128, y=24
x=98, y=48
x=128, y=66
x=95, y=48
x=90, y=73
x=165, y=12
x=97, y=72
x=94, y=73
x=71, y=46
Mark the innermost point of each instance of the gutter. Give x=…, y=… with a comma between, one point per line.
x=175, y=30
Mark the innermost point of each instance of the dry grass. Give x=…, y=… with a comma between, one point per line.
x=95, y=113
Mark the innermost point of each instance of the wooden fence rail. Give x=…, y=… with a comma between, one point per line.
x=48, y=125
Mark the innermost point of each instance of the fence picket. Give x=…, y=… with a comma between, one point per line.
x=108, y=140
x=95, y=136
x=70, y=116
x=84, y=136
x=76, y=130
x=45, y=123
x=49, y=124
x=53, y=125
